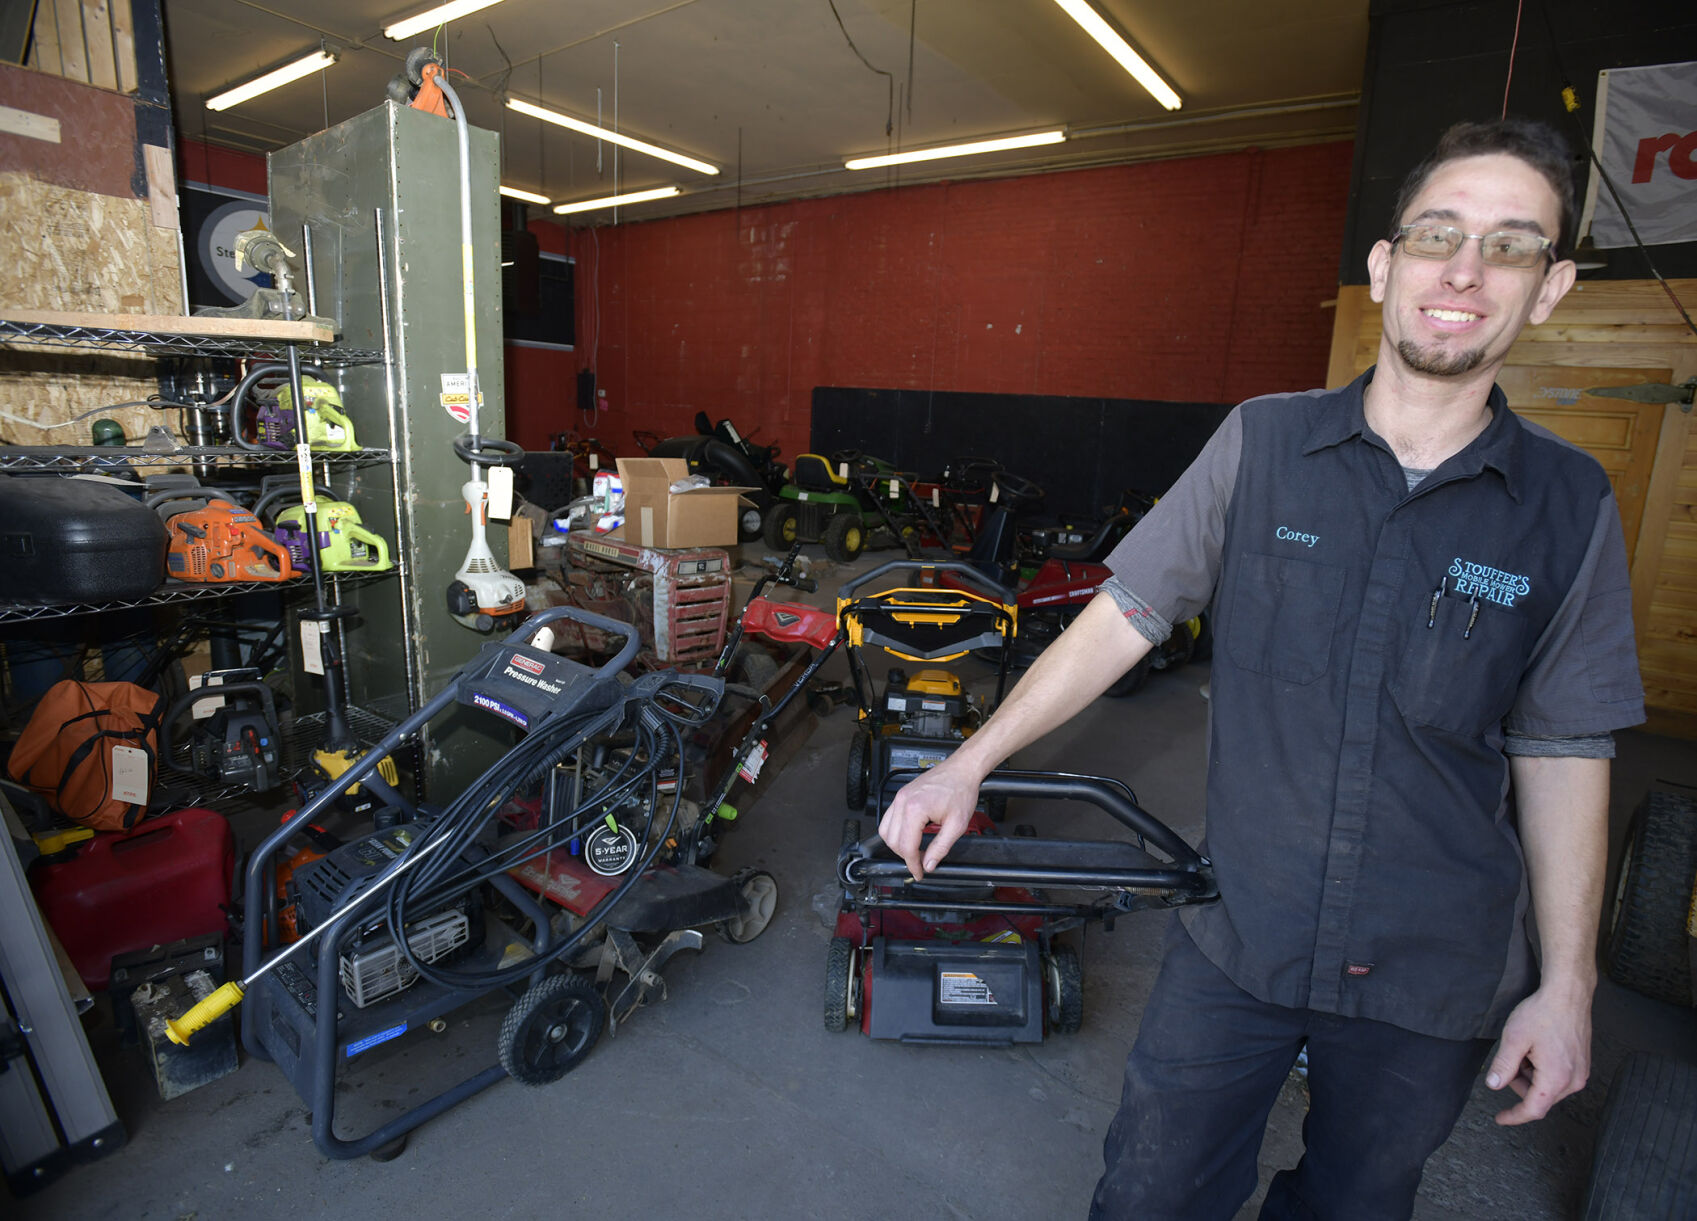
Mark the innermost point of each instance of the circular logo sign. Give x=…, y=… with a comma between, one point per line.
x=218, y=248
x=609, y=852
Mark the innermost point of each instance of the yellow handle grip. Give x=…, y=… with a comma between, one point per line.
x=204, y=1013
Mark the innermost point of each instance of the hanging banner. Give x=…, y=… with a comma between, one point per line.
x=1646, y=138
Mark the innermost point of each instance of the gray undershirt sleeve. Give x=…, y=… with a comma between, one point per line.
x=1585, y=746
x=1137, y=612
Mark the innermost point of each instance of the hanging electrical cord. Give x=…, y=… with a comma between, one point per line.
x=1570, y=103
x=890, y=119
x=1514, y=44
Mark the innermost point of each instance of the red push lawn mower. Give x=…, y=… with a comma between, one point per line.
x=982, y=951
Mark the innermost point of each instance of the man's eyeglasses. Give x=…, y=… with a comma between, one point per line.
x=1509, y=248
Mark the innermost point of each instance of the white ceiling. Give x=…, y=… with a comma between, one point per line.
x=773, y=93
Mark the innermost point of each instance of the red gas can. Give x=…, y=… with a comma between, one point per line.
x=166, y=880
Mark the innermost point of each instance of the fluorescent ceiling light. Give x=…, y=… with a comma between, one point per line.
x=431, y=18
x=957, y=150
x=306, y=65
x=1081, y=12
x=527, y=196
x=614, y=201
x=601, y=133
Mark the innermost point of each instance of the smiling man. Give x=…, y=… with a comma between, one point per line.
x=1423, y=641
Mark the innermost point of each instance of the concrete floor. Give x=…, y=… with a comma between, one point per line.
x=730, y=1100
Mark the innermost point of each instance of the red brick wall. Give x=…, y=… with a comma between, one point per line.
x=1199, y=279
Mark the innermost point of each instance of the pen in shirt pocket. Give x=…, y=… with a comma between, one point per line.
x=1472, y=609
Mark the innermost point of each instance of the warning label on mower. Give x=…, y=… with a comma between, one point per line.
x=963, y=988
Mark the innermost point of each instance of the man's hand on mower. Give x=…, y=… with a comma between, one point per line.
x=945, y=795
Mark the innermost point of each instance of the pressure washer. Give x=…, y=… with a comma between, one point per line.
x=422, y=915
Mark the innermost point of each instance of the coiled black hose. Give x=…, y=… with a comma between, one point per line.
x=651, y=718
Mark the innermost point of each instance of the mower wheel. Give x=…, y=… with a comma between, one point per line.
x=996, y=808
x=859, y=770
x=759, y=893
x=749, y=524
x=1065, y=989
x=551, y=1028
x=1131, y=682
x=844, y=537
x=781, y=526
x=842, y=984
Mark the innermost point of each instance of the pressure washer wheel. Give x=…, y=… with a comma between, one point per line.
x=842, y=984
x=759, y=892
x=551, y=1028
x=1065, y=988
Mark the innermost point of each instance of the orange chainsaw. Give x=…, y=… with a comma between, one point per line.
x=220, y=542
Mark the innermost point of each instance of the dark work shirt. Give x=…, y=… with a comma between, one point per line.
x=1359, y=814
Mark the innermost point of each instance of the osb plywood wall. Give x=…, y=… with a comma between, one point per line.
x=1609, y=333
x=76, y=235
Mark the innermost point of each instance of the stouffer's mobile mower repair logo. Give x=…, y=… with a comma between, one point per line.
x=1492, y=584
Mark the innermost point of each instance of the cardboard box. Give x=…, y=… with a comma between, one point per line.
x=656, y=516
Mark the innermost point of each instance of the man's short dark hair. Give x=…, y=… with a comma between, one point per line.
x=1536, y=143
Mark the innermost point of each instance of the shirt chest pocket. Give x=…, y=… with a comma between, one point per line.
x=1461, y=674
x=1284, y=615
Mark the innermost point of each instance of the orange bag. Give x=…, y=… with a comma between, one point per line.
x=65, y=752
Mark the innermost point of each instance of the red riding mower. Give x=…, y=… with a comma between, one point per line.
x=1054, y=572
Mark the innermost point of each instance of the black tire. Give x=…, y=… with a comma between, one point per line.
x=845, y=537
x=754, y=667
x=1175, y=651
x=1065, y=989
x=751, y=523
x=1645, y=1164
x=551, y=1028
x=859, y=771
x=1648, y=948
x=759, y=891
x=842, y=988
x=1131, y=682
x=780, y=528
x=851, y=833
x=416, y=59
x=1204, y=650
x=996, y=808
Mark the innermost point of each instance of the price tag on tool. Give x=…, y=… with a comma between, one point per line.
x=895, y=489
x=750, y=769
x=936, y=498
x=842, y=470
x=129, y=774
x=303, y=463
x=995, y=491
x=501, y=492
x=312, y=646
x=594, y=461
x=201, y=709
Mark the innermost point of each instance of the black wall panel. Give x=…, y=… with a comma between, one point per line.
x=1083, y=451
x=1431, y=63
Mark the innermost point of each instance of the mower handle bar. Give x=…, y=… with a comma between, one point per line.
x=527, y=630
x=206, y=693
x=983, y=584
x=1100, y=791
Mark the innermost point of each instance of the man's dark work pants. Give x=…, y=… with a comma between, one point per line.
x=1204, y=1074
